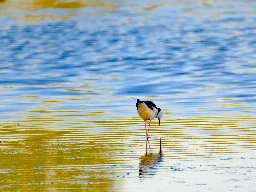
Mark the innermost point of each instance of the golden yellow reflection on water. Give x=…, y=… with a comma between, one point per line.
x=31, y=6
x=62, y=149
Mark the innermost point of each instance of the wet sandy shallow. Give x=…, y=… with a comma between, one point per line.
x=217, y=154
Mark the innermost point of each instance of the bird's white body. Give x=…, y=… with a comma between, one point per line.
x=147, y=110
x=146, y=113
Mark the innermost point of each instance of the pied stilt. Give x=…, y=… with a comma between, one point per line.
x=147, y=110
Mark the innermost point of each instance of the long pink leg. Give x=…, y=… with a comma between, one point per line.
x=146, y=138
x=147, y=141
x=149, y=126
x=148, y=132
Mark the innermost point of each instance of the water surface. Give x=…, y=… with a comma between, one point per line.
x=69, y=68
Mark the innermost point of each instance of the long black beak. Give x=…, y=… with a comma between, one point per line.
x=159, y=121
x=160, y=151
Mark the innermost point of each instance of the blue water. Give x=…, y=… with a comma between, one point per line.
x=185, y=57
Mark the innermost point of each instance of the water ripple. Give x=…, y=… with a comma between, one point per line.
x=69, y=69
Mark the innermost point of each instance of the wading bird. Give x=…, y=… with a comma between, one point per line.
x=147, y=110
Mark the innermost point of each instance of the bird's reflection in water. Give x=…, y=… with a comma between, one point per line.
x=149, y=162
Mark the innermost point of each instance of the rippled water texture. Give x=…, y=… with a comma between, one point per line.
x=69, y=69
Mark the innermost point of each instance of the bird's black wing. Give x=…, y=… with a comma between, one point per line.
x=150, y=104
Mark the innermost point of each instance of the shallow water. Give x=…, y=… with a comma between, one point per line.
x=69, y=69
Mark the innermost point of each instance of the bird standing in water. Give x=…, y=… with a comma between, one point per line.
x=147, y=110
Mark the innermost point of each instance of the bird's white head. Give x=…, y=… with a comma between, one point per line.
x=159, y=114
